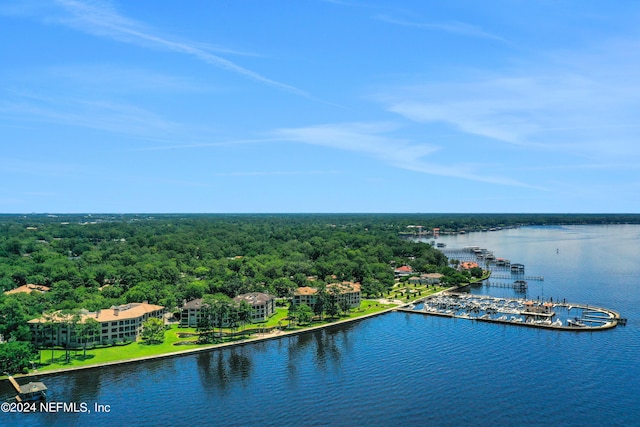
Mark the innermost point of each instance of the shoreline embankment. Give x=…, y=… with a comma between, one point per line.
x=212, y=347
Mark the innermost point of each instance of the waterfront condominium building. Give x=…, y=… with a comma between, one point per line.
x=117, y=324
x=262, y=305
x=190, y=313
x=345, y=291
x=305, y=295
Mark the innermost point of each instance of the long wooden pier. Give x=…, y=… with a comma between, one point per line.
x=516, y=276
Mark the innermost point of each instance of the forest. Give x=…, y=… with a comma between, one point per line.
x=97, y=261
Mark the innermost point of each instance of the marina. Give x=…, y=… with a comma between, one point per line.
x=522, y=312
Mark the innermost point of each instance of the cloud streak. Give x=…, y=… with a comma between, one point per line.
x=371, y=139
x=453, y=27
x=100, y=18
x=545, y=109
x=95, y=114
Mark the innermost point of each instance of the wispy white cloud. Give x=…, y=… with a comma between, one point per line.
x=372, y=139
x=101, y=18
x=453, y=27
x=366, y=138
x=221, y=49
x=581, y=166
x=103, y=97
x=588, y=108
x=95, y=114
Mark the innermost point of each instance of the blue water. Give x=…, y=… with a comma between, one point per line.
x=407, y=369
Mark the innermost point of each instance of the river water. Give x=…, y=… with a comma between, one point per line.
x=402, y=368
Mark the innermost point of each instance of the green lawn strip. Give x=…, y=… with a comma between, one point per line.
x=136, y=350
x=367, y=307
x=115, y=353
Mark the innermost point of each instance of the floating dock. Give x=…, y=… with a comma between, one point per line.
x=521, y=312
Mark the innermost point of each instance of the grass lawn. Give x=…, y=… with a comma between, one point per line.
x=366, y=307
x=172, y=335
x=115, y=353
x=408, y=292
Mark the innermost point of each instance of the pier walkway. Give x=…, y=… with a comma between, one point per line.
x=516, y=276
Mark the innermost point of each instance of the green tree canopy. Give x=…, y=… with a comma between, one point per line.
x=153, y=331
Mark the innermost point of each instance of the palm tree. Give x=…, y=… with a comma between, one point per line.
x=244, y=314
x=89, y=328
x=233, y=316
x=49, y=322
x=69, y=320
x=293, y=314
x=205, y=321
x=219, y=309
x=332, y=306
x=321, y=301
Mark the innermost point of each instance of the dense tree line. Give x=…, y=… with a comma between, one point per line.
x=96, y=261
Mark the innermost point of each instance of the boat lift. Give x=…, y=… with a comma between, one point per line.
x=31, y=391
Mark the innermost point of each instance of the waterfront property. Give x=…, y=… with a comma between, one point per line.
x=402, y=271
x=427, y=279
x=468, y=265
x=116, y=324
x=262, y=308
x=262, y=305
x=191, y=313
x=347, y=292
x=305, y=295
x=597, y=373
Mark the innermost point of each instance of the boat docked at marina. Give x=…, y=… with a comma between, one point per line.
x=525, y=312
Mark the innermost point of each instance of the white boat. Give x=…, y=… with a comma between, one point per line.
x=558, y=322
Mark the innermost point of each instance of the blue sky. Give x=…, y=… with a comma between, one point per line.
x=319, y=106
